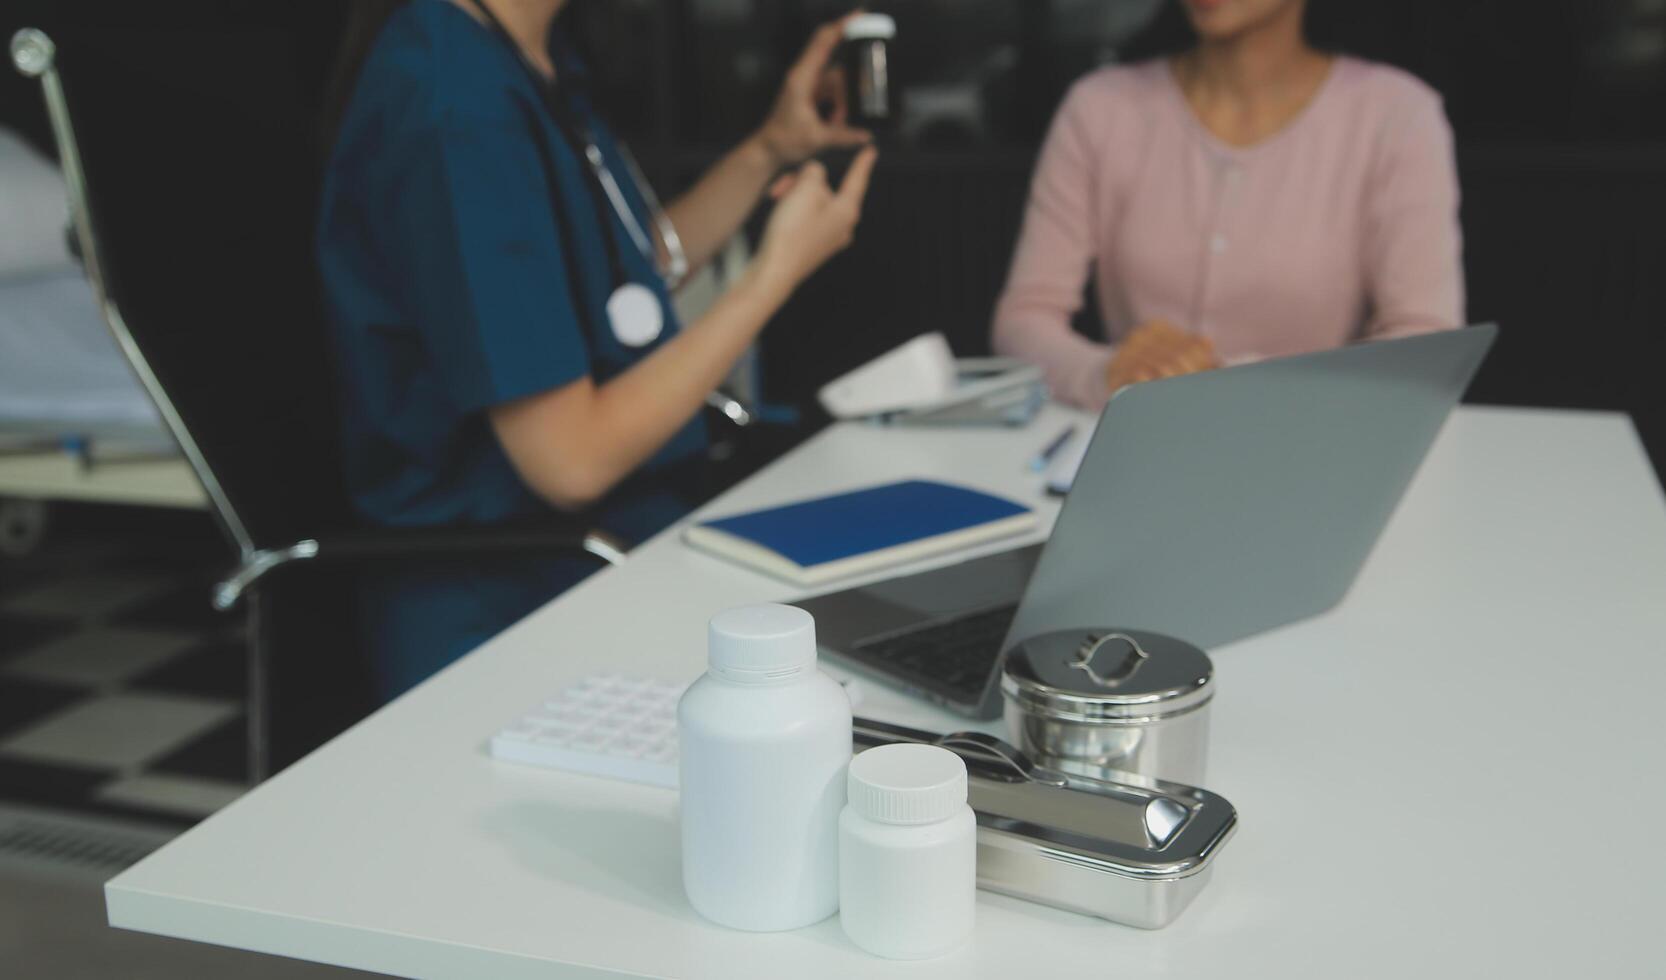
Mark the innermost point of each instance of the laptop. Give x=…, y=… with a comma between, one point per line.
x=1210, y=507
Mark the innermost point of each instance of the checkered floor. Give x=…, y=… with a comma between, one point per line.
x=120, y=688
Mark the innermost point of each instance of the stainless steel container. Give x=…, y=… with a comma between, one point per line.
x=1102, y=702
x=1134, y=854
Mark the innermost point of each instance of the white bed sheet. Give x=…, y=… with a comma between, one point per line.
x=61, y=372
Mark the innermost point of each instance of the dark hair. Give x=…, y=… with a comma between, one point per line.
x=364, y=21
x=1170, y=31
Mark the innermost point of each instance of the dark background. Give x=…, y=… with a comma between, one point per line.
x=1559, y=111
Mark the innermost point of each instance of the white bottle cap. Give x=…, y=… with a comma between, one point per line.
x=907, y=783
x=761, y=641
x=870, y=27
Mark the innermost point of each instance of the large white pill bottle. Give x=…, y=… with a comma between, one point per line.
x=765, y=742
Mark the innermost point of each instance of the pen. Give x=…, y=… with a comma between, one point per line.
x=1044, y=457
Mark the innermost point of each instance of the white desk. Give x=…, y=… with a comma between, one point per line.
x=1456, y=772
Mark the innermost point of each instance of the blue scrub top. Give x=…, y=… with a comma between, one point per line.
x=447, y=287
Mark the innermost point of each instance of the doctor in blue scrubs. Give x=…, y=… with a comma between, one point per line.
x=497, y=278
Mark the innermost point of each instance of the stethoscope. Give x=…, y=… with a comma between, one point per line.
x=633, y=311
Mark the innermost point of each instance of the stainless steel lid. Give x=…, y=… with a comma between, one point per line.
x=1106, y=676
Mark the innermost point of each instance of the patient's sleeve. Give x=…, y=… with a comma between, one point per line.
x=1413, y=247
x=1052, y=262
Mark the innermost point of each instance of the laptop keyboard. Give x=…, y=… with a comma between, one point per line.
x=953, y=657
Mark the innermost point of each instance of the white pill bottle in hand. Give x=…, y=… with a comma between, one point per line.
x=908, y=850
x=765, y=742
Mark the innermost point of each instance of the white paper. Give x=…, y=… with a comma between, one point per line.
x=1061, y=472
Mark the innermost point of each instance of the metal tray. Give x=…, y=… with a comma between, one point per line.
x=1132, y=852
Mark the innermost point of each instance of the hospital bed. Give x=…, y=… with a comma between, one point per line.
x=74, y=421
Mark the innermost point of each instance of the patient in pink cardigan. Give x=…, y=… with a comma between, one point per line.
x=1252, y=197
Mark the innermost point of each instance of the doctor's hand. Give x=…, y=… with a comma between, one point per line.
x=1158, y=349
x=796, y=129
x=811, y=221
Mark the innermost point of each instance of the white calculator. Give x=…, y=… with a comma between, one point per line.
x=618, y=726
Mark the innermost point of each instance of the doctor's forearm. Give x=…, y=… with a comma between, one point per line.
x=574, y=444
x=643, y=407
x=711, y=211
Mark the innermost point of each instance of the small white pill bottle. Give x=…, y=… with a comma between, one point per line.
x=764, y=740
x=908, y=847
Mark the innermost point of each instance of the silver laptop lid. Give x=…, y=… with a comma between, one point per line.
x=1221, y=504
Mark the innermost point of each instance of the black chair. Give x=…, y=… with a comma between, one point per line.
x=193, y=211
